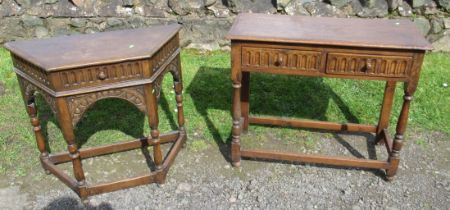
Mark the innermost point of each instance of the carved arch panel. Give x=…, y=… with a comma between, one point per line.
x=80, y=103
x=174, y=69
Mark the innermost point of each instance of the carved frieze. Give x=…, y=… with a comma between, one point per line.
x=31, y=70
x=78, y=104
x=173, y=68
x=164, y=53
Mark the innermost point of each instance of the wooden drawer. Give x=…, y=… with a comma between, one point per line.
x=286, y=59
x=117, y=72
x=101, y=75
x=368, y=65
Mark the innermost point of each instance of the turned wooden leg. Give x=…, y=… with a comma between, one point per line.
x=30, y=103
x=65, y=122
x=236, y=77
x=178, y=86
x=245, y=104
x=152, y=112
x=40, y=140
x=394, y=157
x=236, y=130
x=386, y=108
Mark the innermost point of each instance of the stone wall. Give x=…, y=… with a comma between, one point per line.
x=205, y=22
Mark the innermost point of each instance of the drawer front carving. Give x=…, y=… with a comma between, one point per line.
x=289, y=59
x=98, y=75
x=368, y=65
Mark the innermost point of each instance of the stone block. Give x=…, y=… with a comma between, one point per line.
x=41, y=32
x=64, y=9
x=444, y=4
x=352, y=8
x=31, y=21
x=58, y=26
x=423, y=25
x=210, y=2
x=405, y=9
x=200, y=31
x=10, y=8
x=260, y=6
x=322, y=9
x=374, y=8
x=128, y=3
x=394, y=4
x=442, y=44
x=23, y=3
x=417, y=3
x=112, y=22
x=281, y=4
x=151, y=11
x=429, y=8
x=295, y=7
x=136, y=21
x=50, y=1
x=11, y=29
x=112, y=8
x=78, y=22
x=219, y=10
x=436, y=25
x=185, y=7
x=339, y=3
x=446, y=23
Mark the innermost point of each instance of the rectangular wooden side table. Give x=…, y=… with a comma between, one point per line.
x=73, y=72
x=369, y=49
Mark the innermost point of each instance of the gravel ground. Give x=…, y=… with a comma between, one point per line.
x=205, y=180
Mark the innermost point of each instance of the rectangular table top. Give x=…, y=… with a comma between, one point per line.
x=73, y=51
x=355, y=32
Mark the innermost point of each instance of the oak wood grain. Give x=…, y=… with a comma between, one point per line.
x=377, y=33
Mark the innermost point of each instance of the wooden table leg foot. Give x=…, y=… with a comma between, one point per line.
x=85, y=202
x=161, y=177
x=389, y=178
x=236, y=164
x=161, y=182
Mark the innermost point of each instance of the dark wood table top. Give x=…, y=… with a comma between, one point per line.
x=66, y=52
x=376, y=33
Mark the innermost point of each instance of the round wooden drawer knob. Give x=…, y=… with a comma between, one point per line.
x=279, y=61
x=102, y=76
x=369, y=65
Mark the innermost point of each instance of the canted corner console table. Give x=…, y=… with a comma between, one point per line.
x=73, y=72
x=369, y=49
